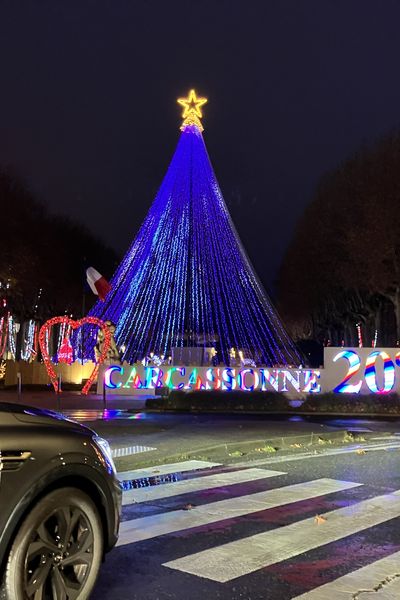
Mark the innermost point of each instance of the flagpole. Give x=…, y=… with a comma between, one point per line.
x=83, y=302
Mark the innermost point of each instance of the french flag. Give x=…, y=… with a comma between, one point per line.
x=97, y=283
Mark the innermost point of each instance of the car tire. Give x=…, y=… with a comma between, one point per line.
x=57, y=550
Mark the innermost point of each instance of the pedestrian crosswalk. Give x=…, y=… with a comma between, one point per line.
x=245, y=556
x=199, y=501
x=368, y=581
x=148, y=527
x=195, y=485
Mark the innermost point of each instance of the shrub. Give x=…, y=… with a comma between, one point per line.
x=209, y=401
x=352, y=403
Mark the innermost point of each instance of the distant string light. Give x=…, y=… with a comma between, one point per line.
x=3, y=334
x=29, y=349
x=65, y=353
x=359, y=335
x=11, y=337
x=38, y=297
x=63, y=332
x=375, y=340
x=47, y=340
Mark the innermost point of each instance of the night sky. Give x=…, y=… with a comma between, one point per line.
x=88, y=113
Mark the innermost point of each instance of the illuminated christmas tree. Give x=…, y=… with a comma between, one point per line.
x=186, y=280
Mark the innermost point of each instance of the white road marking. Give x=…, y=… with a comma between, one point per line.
x=197, y=484
x=247, y=555
x=188, y=465
x=323, y=454
x=384, y=573
x=390, y=437
x=128, y=450
x=145, y=528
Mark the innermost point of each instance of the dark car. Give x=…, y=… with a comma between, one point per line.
x=60, y=505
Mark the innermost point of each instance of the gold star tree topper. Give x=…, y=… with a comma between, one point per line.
x=192, y=110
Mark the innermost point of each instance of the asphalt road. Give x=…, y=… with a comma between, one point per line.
x=250, y=531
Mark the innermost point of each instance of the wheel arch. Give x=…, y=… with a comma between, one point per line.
x=80, y=481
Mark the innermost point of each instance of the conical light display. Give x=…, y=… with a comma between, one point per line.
x=186, y=280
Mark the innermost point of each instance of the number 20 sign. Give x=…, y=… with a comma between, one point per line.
x=377, y=369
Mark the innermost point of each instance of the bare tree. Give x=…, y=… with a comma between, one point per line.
x=43, y=252
x=343, y=264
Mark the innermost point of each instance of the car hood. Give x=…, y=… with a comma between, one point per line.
x=32, y=415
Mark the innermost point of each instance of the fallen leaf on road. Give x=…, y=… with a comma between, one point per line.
x=266, y=449
x=319, y=520
x=236, y=453
x=323, y=442
x=295, y=445
x=361, y=451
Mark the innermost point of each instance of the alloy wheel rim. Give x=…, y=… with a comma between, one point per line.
x=59, y=556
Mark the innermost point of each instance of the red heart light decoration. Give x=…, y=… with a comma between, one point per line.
x=45, y=329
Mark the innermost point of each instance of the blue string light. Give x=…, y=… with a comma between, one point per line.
x=186, y=280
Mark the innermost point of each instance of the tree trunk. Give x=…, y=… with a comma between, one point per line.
x=378, y=327
x=396, y=304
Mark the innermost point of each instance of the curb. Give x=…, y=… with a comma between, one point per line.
x=230, y=450
x=291, y=413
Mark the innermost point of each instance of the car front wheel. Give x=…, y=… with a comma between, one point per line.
x=57, y=551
